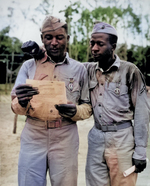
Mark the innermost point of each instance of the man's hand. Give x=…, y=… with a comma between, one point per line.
x=140, y=165
x=25, y=93
x=66, y=110
x=32, y=48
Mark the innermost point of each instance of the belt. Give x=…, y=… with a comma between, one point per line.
x=49, y=124
x=114, y=127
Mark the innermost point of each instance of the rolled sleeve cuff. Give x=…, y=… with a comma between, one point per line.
x=140, y=153
x=84, y=111
x=17, y=108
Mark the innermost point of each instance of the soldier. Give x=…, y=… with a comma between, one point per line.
x=118, y=96
x=43, y=145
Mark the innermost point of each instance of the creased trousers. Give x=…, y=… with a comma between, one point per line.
x=109, y=155
x=43, y=149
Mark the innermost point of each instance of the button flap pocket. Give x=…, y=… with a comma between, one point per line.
x=117, y=89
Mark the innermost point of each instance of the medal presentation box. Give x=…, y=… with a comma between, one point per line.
x=50, y=93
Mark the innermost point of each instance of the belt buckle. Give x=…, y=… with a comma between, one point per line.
x=107, y=128
x=115, y=128
x=56, y=124
x=104, y=128
x=47, y=125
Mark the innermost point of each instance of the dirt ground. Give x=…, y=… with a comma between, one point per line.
x=10, y=145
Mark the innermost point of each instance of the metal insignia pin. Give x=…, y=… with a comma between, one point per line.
x=117, y=91
x=71, y=84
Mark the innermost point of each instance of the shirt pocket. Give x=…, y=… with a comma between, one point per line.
x=73, y=91
x=117, y=100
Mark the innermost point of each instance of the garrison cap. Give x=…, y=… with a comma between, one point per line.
x=51, y=23
x=101, y=27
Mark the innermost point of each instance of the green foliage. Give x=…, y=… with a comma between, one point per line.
x=9, y=44
x=140, y=56
x=133, y=20
x=69, y=13
x=79, y=52
x=109, y=15
x=147, y=34
x=117, y=17
x=138, y=53
x=81, y=29
x=80, y=21
x=122, y=51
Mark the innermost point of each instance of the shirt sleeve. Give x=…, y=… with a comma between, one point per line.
x=84, y=93
x=21, y=79
x=141, y=114
x=84, y=109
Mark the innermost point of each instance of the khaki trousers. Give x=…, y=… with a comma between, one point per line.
x=109, y=155
x=43, y=149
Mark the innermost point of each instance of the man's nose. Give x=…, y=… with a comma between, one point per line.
x=54, y=41
x=95, y=47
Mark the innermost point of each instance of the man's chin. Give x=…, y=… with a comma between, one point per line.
x=96, y=59
x=54, y=54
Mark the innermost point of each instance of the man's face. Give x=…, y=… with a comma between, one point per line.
x=101, y=49
x=55, y=43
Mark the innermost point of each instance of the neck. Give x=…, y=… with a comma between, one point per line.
x=107, y=64
x=57, y=59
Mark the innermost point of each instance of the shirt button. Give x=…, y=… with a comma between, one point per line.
x=100, y=116
x=100, y=94
x=54, y=76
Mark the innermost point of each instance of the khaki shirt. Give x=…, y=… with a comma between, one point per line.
x=119, y=94
x=70, y=71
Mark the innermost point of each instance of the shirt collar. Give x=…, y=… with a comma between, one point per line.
x=115, y=64
x=65, y=61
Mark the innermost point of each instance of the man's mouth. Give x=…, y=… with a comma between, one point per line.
x=96, y=55
x=54, y=50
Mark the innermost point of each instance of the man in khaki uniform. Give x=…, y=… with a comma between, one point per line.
x=118, y=96
x=44, y=146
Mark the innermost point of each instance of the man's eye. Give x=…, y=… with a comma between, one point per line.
x=49, y=37
x=60, y=37
x=100, y=43
x=92, y=43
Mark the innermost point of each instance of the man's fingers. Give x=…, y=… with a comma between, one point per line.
x=30, y=47
x=65, y=106
x=66, y=110
x=25, y=86
x=25, y=99
x=26, y=94
x=28, y=90
x=56, y=106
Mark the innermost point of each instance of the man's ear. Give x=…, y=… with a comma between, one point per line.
x=68, y=38
x=42, y=38
x=114, y=46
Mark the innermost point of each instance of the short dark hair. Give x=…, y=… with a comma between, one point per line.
x=112, y=39
x=65, y=27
